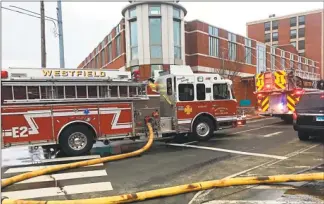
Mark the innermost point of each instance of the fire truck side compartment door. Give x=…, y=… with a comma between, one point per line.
x=26, y=125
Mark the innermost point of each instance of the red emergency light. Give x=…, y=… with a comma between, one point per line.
x=298, y=92
x=4, y=74
x=259, y=96
x=136, y=75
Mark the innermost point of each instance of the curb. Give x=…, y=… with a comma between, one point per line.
x=257, y=117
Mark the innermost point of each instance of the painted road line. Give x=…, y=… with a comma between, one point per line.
x=190, y=142
x=66, y=176
x=272, y=134
x=56, y=191
x=249, y=130
x=33, y=193
x=230, y=151
x=259, y=120
x=269, y=187
x=34, y=168
x=70, y=158
x=266, y=164
x=256, y=202
x=88, y=188
x=44, y=161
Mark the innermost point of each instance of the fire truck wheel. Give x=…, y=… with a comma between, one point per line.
x=203, y=129
x=76, y=140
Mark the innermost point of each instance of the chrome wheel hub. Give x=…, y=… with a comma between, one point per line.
x=202, y=129
x=77, y=141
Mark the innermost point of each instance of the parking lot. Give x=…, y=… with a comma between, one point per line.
x=262, y=147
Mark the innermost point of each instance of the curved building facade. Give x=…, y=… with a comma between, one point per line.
x=154, y=33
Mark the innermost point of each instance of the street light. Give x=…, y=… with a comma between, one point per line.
x=47, y=18
x=54, y=21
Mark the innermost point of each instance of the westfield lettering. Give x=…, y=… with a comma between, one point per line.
x=73, y=73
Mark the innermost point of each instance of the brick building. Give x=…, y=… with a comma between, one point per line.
x=304, y=31
x=154, y=35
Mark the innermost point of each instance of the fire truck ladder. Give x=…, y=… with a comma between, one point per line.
x=55, y=91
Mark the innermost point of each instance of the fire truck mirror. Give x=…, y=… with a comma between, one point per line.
x=169, y=86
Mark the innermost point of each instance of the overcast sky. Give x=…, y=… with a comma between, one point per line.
x=86, y=24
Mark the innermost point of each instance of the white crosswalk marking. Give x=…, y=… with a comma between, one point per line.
x=88, y=179
x=34, y=168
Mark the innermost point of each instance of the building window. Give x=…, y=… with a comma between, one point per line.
x=213, y=46
x=282, y=59
x=118, y=48
x=154, y=68
x=275, y=25
x=293, y=34
x=293, y=21
x=176, y=13
x=231, y=46
x=273, y=58
x=282, y=63
x=293, y=44
x=266, y=26
x=117, y=29
x=301, y=44
x=155, y=38
x=133, y=40
x=275, y=36
x=301, y=20
x=155, y=10
x=102, y=58
x=213, y=41
x=267, y=37
x=97, y=61
x=186, y=92
x=291, y=61
x=109, y=53
x=177, y=38
x=213, y=31
x=299, y=62
x=132, y=13
x=301, y=32
x=248, y=51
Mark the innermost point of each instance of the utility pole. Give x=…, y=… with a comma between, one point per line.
x=43, y=44
x=60, y=33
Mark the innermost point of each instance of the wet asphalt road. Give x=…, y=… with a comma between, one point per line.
x=261, y=148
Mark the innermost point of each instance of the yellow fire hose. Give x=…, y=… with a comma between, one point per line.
x=47, y=170
x=163, y=192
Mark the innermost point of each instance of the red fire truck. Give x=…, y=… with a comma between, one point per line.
x=279, y=91
x=71, y=109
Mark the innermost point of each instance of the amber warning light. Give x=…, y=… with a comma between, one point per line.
x=4, y=74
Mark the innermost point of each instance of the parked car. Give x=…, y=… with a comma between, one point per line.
x=308, y=118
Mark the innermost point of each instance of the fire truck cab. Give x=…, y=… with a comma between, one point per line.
x=71, y=109
x=195, y=103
